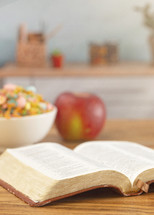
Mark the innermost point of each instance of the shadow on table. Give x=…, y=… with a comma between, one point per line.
x=92, y=195
x=106, y=194
x=151, y=189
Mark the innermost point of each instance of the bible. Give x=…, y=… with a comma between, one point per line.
x=45, y=172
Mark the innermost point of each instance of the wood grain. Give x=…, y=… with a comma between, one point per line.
x=100, y=201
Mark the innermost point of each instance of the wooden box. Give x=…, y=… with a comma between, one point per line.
x=103, y=54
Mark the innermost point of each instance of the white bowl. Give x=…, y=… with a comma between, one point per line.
x=16, y=132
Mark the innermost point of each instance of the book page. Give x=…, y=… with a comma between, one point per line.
x=131, y=159
x=55, y=160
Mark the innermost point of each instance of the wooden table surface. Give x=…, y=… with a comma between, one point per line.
x=100, y=201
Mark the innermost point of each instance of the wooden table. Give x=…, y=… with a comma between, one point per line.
x=101, y=201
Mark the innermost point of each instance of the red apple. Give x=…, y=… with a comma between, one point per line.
x=80, y=116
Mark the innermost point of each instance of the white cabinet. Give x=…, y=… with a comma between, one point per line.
x=129, y=97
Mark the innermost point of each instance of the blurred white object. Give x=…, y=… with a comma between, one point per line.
x=16, y=132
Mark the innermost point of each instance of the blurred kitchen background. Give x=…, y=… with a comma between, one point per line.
x=106, y=50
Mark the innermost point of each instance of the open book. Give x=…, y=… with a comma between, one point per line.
x=42, y=173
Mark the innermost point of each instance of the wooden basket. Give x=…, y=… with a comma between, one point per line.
x=31, y=54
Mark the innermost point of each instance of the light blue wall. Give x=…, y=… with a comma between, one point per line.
x=84, y=21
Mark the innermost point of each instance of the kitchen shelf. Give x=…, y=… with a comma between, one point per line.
x=79, y=70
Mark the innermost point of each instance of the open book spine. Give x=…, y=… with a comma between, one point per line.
x=142, y=185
